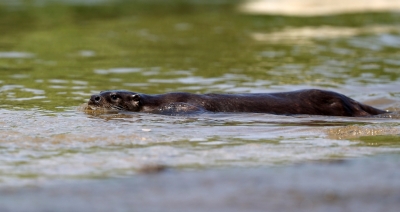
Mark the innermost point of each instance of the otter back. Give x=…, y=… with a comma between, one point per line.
x=312, y=102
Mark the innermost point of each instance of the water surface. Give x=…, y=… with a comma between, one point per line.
x=54, y=56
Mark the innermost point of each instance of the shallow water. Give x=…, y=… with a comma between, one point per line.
x=50, y=67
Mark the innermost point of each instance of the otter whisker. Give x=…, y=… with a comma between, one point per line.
x=117, y=107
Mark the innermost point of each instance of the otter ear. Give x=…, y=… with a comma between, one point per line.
x=135, y=97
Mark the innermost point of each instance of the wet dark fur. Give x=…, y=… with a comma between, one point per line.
x=312, y=102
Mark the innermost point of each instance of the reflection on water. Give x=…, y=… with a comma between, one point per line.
x=52, y=58
x=15, y=55
x=239, y=54
x=37, y=148
x=355, y=131
x=306, y=35
x=118, y=70
x=317, y=7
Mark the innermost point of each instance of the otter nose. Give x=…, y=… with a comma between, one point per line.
x=95, y=98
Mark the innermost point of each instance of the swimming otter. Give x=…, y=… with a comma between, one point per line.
x=312, y=102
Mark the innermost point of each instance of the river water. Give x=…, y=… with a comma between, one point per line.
x=54, y=56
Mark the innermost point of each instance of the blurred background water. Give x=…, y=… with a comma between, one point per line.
x=55, y=54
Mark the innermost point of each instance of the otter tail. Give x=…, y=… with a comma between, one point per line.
x=372, y=110
x=366, y=110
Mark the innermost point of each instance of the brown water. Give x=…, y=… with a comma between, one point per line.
x=52, y=58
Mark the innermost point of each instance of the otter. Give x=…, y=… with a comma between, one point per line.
x=311, y=102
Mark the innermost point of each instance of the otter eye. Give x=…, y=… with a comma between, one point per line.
x=114, y=97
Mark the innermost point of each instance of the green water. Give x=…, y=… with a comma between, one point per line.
x=164, y=40
x=53, y=56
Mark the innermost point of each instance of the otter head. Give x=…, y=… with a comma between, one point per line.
x=115, y=100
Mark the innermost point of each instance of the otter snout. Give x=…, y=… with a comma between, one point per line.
x=95, y=98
